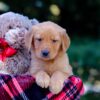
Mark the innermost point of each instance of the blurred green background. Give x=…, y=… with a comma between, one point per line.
x=81, y=18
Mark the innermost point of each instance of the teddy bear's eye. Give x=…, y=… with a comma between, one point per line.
x=27, y=28
x=9, y=27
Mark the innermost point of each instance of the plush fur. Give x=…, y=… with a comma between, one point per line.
x=14, y=28
x=53, y=68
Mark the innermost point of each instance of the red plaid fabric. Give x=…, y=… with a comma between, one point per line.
x=23, y=87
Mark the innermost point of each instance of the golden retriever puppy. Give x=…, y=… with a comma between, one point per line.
x=50, y=64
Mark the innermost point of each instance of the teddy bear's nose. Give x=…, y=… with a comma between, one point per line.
x=45, y=53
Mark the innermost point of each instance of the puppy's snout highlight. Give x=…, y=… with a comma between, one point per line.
x=45, y=53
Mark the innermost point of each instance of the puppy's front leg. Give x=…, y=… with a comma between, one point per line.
x=57, y=82
x=42, y=79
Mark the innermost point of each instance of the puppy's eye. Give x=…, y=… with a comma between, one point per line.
x=39, y=39
x=54, y=41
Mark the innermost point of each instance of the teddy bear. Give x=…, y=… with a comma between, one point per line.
x=14, y=56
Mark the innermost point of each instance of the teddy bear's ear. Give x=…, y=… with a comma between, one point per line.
x=34, y=21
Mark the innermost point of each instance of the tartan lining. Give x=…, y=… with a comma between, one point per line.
x=69, y=92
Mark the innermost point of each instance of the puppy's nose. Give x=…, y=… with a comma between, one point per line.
x=45, y=53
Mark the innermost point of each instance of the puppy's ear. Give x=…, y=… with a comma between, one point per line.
x=29, y=37
x=28, y=40
x=65, y=40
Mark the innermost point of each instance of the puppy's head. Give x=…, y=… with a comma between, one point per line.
x=48, y=39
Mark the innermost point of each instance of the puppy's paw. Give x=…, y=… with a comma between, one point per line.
x=57, y=82
x=56, y=86
x=42, y=79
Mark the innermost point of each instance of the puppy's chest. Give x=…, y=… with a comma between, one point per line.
x=51, y=67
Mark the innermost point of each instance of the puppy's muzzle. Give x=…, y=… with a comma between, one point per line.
x=45, y=53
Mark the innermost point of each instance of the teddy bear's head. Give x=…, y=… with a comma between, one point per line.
x=14, y=27
x=13, y=30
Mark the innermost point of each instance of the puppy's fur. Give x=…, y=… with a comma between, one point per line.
x=50, y=63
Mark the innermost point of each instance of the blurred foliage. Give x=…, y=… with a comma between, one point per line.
x=84, y=55
x=91, y=96
x=81, y=18
x=85, y=58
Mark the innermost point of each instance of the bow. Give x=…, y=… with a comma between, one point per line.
x=6, y=50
